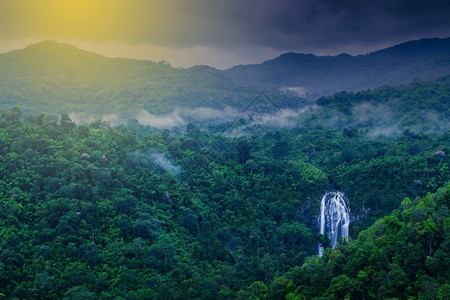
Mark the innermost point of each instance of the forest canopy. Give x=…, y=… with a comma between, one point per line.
x=98, y=212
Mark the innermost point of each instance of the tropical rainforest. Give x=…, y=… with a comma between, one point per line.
x=226, y=209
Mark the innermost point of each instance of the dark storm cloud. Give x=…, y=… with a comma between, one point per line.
x=318, y=26
x=324, y=24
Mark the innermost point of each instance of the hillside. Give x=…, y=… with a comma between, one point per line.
x=314, y=76
x=422, y=107
x=59, y=78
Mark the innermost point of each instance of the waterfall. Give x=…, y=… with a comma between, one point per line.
x=334, y=217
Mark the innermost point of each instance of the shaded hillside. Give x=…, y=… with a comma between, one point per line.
x=421, y=106
x=314, y=76
x=59, y=78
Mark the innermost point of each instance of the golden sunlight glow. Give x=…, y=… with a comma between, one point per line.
x=150, y=29
x=75, y=18
x=89, y=20
x=75, y=12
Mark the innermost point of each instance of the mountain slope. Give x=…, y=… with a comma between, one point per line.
x=314, y=76
x=60, y=78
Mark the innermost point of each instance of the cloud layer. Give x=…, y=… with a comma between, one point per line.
x=317, y=26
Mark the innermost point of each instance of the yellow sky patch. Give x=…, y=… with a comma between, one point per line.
x=90, y=20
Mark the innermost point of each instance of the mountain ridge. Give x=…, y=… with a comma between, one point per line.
x=324, y=75
x=429, y=43
x=64, y=78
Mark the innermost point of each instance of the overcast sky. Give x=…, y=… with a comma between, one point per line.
x=221, y=33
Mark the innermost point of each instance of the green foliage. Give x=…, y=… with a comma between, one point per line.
x=395, y=258
x=315, y=76
x=91, y=212
x=60, y=79
x=421, y=106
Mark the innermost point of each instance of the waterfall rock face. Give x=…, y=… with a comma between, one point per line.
x=334, y=217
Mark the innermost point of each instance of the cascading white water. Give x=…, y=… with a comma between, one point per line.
x=334, y=217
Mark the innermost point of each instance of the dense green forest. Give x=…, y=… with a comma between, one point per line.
x=192, y=213
x=402, y=256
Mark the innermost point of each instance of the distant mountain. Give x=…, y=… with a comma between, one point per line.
x=58, y=78
x=314, y=76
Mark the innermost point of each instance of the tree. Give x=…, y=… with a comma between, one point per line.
x=257, y=290
x=78, y=293
x=15, y=114
x=243, y=150
x=341, y=288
